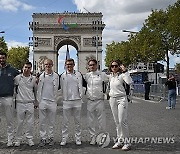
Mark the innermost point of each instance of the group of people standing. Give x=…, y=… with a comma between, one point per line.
x=32, y=92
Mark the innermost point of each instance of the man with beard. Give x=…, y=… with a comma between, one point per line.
x=7, y=75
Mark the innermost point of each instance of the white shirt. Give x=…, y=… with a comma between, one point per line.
x=48, y=88
x=25, y=91
x=72, y=87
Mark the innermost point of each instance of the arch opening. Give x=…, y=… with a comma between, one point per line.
x=63, y=47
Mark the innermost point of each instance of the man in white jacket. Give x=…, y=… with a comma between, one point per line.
x=46, y=95
x=72, y=91
x=25, y=89
x=96, y=86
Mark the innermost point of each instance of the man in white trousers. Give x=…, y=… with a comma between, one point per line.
x=72, y=91
x=48, y=85
x=25, y=90
x=7, y=75
x=96, y=87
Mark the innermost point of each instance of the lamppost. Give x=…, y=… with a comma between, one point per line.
x=34, y=42
x=155, y=70
x=128, y=31
x=2, y=31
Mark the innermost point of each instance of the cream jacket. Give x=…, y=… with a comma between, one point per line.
x=41, y=83
x=116, y=84
x=96, y=84
x=63, y=83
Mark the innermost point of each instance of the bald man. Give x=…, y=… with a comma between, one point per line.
x=46, y=96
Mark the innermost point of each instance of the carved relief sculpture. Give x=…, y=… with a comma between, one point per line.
x=41, y=63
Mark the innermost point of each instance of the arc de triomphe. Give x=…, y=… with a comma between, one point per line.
x=51, y=31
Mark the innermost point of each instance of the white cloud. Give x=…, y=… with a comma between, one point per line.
x=14, y=5
x=174, y=59
x=13, y=43
x=121, y=14
x=177, y=59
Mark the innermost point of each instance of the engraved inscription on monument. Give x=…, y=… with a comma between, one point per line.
x=44, y=42
x=87, y=42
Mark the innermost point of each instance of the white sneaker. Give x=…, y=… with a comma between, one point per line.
x=117, y=145
x=78, y=142
x=168, y=108
x=126, y=147
x=63, y=142
x=30, y=142
x=10, y=143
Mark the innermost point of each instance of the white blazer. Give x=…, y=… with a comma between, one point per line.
x=41, y=83
x=63, y=83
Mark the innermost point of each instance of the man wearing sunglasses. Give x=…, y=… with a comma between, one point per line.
x=96, y=87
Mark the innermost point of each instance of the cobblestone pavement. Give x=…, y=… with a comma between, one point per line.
x=148, y=120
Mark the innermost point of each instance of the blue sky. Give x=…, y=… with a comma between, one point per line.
x=117, y=15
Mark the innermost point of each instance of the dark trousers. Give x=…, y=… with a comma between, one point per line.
x=146, y=96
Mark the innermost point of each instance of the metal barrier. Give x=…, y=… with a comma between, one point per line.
x=158, y=91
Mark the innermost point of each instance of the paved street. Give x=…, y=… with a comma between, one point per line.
x=147, y=120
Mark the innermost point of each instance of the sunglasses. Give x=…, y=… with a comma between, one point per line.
x=112, y=66
x=69, y=64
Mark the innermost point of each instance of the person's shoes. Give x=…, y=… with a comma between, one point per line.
x=93, y=140
x=30, y=142
x=117, y=145
x=17, y=143
x=50, y=141
x=63, y=142
x=173, y=107
x=42, y=143
x=126, y=147
x=168, y=108
x=9, y=143
x=78, y=142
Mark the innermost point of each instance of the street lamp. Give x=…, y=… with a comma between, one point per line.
x=128, y=31
x=2, y=31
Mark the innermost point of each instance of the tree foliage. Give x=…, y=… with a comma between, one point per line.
x=17, y=56
x=3, y=45
x=177, y=67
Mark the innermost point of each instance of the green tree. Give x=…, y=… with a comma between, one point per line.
x=177, y=67
x=17, y=56
x=3, y=45
x=166, y=29
x=174, y=26
x=159, y=35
